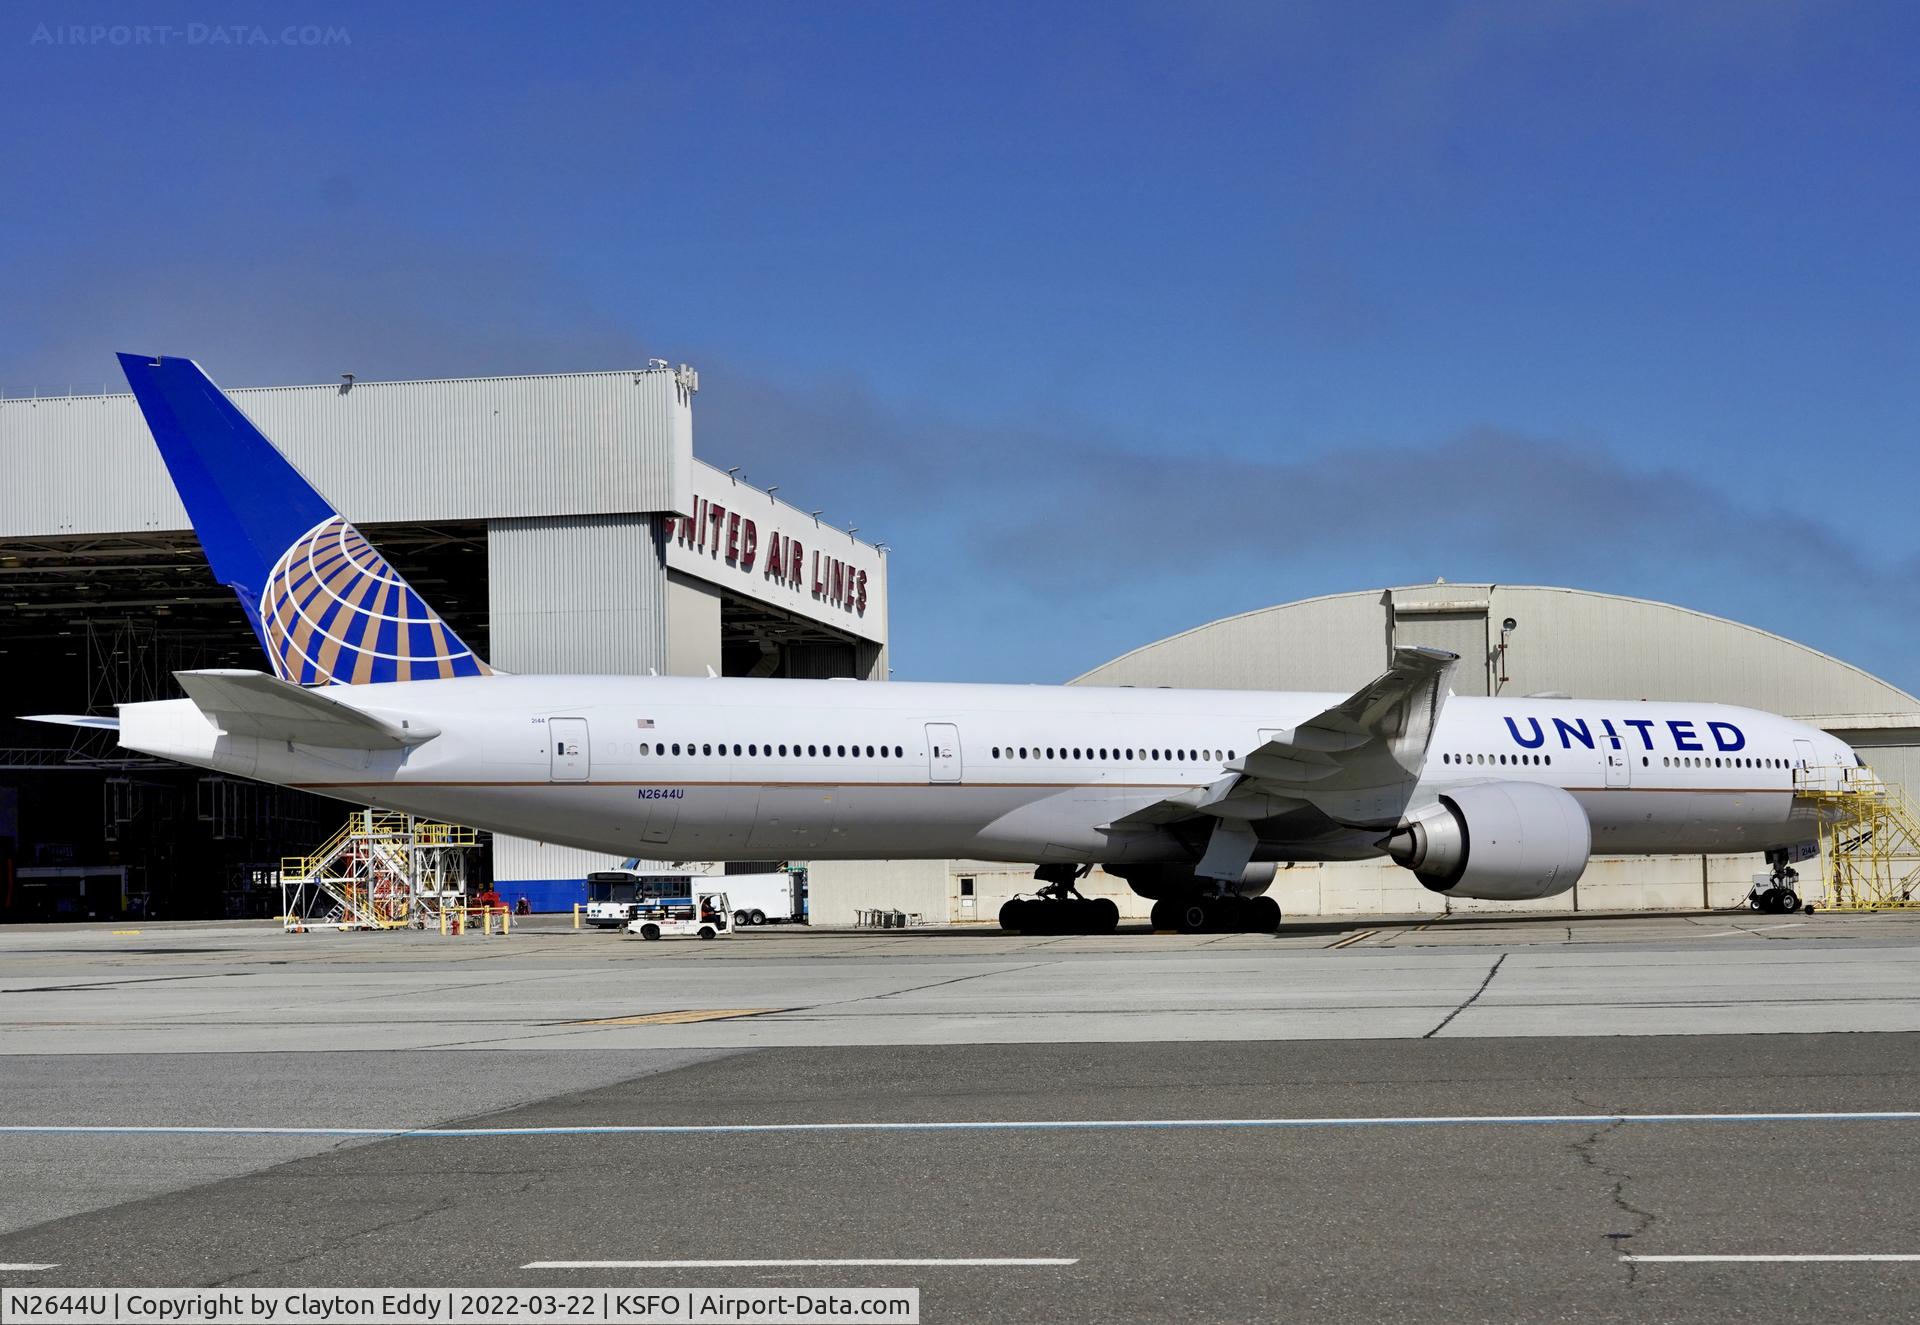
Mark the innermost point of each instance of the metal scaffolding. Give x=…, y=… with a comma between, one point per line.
x=1869, y=839
x=382, y=870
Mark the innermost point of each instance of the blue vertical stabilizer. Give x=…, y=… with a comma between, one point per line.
x=326, y=606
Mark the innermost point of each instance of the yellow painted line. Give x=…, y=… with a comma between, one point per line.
x=1400, y=934
x=679, y=1018
x=126, y=931
x=1352, y=939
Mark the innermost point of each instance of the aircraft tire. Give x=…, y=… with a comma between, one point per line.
x=1263, y=915
x=1162, y=916
x=1013, y=914
x=1106, y=916
x=1196, y=916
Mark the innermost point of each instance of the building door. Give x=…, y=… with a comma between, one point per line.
x=943, y=752
x=568, y=760
x=1450, y=617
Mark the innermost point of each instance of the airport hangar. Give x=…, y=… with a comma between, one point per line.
x=1513, y=640
x=560, y=523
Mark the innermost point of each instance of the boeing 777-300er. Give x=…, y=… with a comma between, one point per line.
x=1191, y=796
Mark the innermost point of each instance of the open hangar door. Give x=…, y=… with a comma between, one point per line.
x=757, y=639
x=89, y=832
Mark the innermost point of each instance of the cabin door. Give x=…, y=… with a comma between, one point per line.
x=567, y=756
x=1619, y=769
x=943, y=752
x=1803, y=761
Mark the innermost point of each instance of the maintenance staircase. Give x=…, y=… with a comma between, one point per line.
x=1869, y=839
x=382, y=870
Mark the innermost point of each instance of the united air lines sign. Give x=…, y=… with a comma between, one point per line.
x=741, y=540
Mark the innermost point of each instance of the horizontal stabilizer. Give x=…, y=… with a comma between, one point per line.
x=245, y=703
x=74, y=720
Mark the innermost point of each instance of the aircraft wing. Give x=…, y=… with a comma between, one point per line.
x=1351, y=760
x=1377, y=735
x=243, y=703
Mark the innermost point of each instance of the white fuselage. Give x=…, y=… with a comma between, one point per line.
x=720, y=769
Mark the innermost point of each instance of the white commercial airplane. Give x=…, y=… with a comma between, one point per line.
x=1191, y=796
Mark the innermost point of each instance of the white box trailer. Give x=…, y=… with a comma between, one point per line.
x=777, y=897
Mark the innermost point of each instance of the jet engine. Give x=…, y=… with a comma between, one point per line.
x=1506, y=841
x=1164, y=881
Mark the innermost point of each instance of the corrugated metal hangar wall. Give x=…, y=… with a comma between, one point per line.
x=573, y=500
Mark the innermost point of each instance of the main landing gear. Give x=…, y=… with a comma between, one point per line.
x=1058, y=908
x=1776, y=892
x=1221, y=914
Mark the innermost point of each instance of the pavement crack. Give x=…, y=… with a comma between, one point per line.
x=1471, y=998
x=1586, y=1151
x=939, y=984
x=324, y=1247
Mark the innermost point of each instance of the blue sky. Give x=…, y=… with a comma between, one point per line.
x=1109, y=319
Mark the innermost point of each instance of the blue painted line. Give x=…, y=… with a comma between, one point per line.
x=1014, y=1125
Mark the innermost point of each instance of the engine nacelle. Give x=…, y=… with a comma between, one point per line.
x=1507, y=841
x=1160, y=881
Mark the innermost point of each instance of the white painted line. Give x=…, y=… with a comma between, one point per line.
x=859, y=1263
x=29, y=1265
x=984, y=1125
x=1816, y=1256
x=1756, y=929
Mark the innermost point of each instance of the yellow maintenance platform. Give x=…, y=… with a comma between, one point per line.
x=380, y=871
x=1869, y=839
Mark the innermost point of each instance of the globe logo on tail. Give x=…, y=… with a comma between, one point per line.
x=333, y=611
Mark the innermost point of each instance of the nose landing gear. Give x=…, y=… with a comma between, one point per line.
x=1775, y=892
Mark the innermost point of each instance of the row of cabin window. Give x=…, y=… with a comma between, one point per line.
x=1701, y=761
x=1666, y=761
x=756, y=750
x=1104, y=755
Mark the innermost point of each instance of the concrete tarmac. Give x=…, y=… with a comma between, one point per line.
x=1386, y=1215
